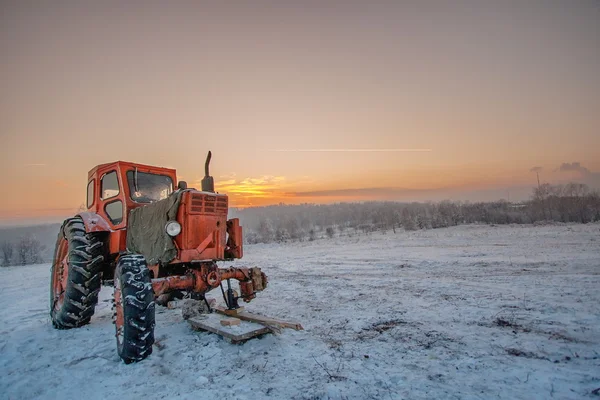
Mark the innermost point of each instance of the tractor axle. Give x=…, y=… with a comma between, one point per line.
x=208, y=277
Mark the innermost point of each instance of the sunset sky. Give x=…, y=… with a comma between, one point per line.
x=485, y=91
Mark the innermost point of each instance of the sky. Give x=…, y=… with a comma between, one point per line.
x=299, y=101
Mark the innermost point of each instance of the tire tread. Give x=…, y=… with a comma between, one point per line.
x=137, y=298
x=83, y=285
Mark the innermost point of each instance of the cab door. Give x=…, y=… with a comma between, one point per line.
x=111, y=203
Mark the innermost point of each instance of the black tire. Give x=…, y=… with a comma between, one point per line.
x=134, y=299
x=73, y=306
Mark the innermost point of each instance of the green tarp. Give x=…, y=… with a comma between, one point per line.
x=146, y=234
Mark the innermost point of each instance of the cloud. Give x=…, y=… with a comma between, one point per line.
x=381, y=192
x=349, y=150
x=574, y=166
x=586, y=176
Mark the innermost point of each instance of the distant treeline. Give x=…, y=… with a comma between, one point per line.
x=27, y=250
x=572, y=202
x=27, y=244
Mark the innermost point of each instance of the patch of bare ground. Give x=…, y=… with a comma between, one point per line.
x=377, y=328
x=522, y=353
x=515, y=327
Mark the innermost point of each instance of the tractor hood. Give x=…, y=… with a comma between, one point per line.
x=146, y=233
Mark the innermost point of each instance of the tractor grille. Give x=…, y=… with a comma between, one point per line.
x=205, y=203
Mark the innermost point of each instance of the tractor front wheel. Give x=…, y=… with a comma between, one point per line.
x=75, y=276
x=134, y=308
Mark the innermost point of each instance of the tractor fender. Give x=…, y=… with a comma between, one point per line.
x=94, y=222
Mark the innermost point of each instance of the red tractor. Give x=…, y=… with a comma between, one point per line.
x=151, y=240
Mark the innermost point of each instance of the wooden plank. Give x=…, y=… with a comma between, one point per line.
x=233, y=312
x=273, y=322
x=230, y=321
x=235, y=334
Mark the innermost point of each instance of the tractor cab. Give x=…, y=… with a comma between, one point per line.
x=116, y=188
x=144, y=212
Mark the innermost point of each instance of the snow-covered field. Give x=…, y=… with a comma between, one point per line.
x=467, y=312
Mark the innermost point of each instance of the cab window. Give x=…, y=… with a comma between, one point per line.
x=114, y=210
x=148, y=188
x=109, y=185
x=90, y=193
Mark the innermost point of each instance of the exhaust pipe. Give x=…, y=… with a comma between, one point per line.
x=208, y=184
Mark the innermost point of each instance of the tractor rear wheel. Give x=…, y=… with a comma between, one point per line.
x=134, y=308
x=75, y=276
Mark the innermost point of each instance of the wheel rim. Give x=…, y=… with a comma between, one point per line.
x=119, y=315
x=60, y=274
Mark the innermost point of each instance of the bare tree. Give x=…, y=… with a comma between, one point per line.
x=407, y=220
x=281, y=235
x=7, y=253
x=265, y=231
x=329, y=231
x=578, y=194
x=293, y=229
x=251, y=237
x=541, y=196
x=29, y=250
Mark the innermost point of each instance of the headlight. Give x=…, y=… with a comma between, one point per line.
x=173, y=228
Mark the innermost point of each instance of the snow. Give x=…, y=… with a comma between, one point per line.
x=467, y=312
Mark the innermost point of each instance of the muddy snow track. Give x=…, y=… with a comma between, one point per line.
x=466, y=312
